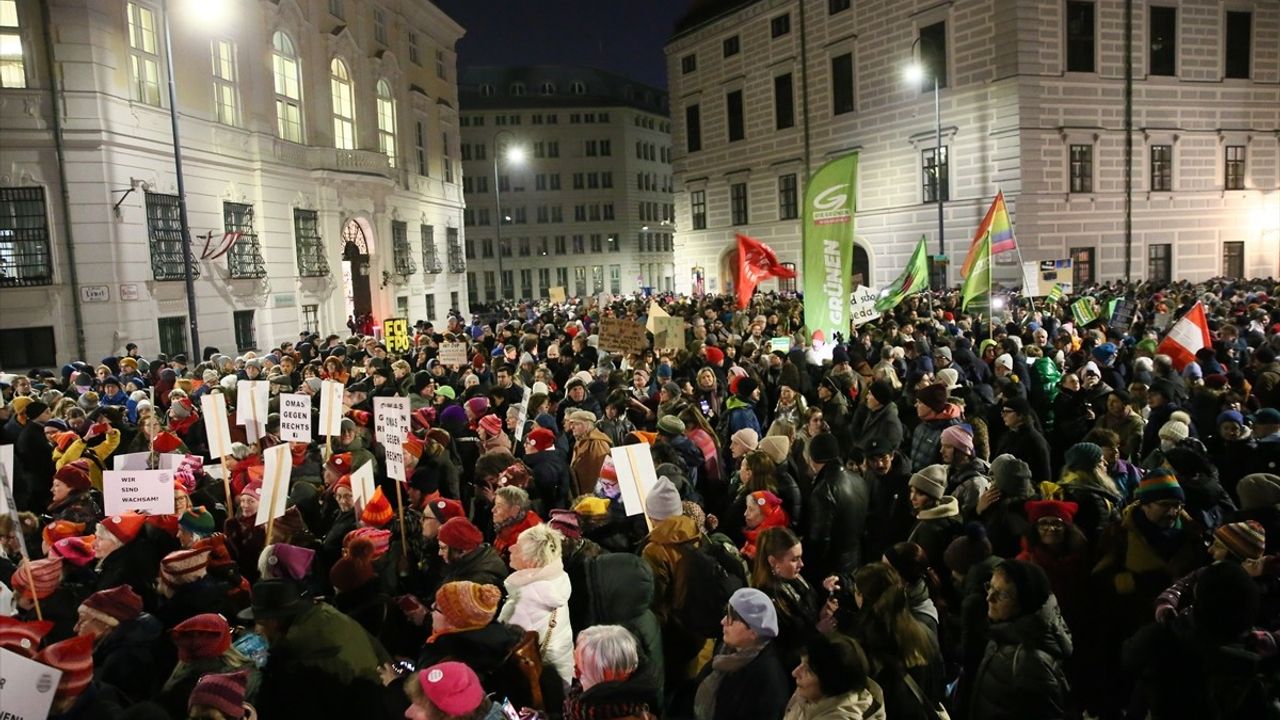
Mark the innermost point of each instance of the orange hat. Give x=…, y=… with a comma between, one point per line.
x=58, y=529
x=126, y=526
x=183, y=567
x=39, y=578
x=64, y=439
x=74, y=658
x=466, y=604
x=23, y=637
x=414, y=446
x=377, y=511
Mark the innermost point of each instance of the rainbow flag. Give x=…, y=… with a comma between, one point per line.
x=997, y=223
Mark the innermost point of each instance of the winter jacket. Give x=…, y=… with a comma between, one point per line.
x=33, y=457
x=484, y=649
x=760, y=689
x=631, y=699
x=539, y=601
x=133, y=657
x=926, y=439
x=510, y=532
x=890, y=518
x=838, y=416
x=589, y=452
x=550, y=486
x=97, y=454
x=482, y=566
x=1021, y=676
x=1028, y=445
x=136, y=564
x=881, y=425
x=1098, y=506
x=189, y=600
x=865, y=704
x=835, y=521
x=966, y=484
x=619, y=591
x=1068, y=569
x=935, y=528
x=797, y=608
x=1129, y=428
x=80, y=507
x=664, y=552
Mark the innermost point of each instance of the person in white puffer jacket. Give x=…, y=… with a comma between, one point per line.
x=538, y=596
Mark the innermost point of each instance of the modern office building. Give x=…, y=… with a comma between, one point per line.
x=579, y=162
x=320, y=147
x=1032, y=101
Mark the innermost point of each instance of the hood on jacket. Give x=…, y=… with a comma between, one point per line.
x=619, y=587
x=1043, y=630
x=947, y=507
x=548, y=585
x=674, y=531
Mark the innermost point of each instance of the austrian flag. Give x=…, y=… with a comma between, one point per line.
x=756, y=262
x=1187, y=336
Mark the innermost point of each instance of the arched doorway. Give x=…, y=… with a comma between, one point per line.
x=861, y=266
x=355, y=269
x=729, y=272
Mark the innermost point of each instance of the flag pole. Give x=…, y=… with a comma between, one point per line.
x=991, y=296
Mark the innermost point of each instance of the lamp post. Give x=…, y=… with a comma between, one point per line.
x=187, y=277
x=515, y=156
x=915, y=73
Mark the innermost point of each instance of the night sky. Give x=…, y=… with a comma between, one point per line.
x=622, y=36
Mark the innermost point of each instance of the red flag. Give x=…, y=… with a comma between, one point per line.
x=756, y=262
x=1186, y=337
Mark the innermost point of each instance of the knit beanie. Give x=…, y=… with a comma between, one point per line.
x=1031, y=582
x=933, y=396
x=183, y=567
x=355, y=568
x=21, y=637
x=968, y=549
x=198, y=521
x=452, y=687
x=74, y=658
x=1061, y=509
x=931, y=481
x=1259, y=490
x=445, y=509
x=747, y=438
x=491, y=425
x=566, y=521
x=824, y=448
x=58, y=529
x=223, y=692
x=1083, y=456
x=114, y=606
x=882, y=391
x=670, y=425
x=958, y=437
x=37, y=578
x=287, y=561
x=663, y=501
x=380, y=539
x=1011, y=476
x=75, y=475
x=1174, y=431
x=459, y=534
x=339, y=464
x=467, y=605
x=1159, y=484
x=542, y=438
x=202, y=637
x=377, y=511
x=777, y=447
x=125, y=526
x=477, y=406
x=1246, y=540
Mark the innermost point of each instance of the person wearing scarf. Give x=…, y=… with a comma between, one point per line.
x=462, y=625
x=763, y=511
x=745, y=677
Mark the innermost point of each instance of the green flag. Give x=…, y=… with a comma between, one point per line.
x=914, y=278
x=1055, y=294
x=978, y=281
x=828, y=247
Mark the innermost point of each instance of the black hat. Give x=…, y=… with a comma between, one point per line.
x=934, y=396
x=1226, y=601
x=35, y=409
x=274, y=598
x=746, y=387
x=421, y=379
x=880, y=446
x=1032, y=584
x=284, y=381
x=824, y=448
x=1018, y=405
x=882, y=391
x=363, y=386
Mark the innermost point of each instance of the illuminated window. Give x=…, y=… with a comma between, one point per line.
x=284, y=64
x=144, y=57
x=386, y=122
x=344, y=115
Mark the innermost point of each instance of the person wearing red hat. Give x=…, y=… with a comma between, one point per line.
x=23, y=638
x=763, y=511
x=1061, y=549
x=439, y=511
x=124, y=557
x=343, y=522
x=185, y=587
x=220, y=696
x=59, y=529
x=549, y=468
x=204, y=647
x=76, y=691
x=492, y=437
x=42, y=579
x=72, y=500
x=124, y=641
x=377, y=511
x=467, y=556
x=244, y=536
x=449, y=689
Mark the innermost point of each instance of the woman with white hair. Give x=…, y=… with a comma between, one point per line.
x=608, y=684
x=538, y=596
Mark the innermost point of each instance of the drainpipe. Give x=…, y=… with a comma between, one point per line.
x=72, y=275
x=1128, y=139
x=804, y=93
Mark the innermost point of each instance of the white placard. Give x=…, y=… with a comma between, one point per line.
x=864, y=305
x=149, y=492
x=26, y=686
x=131, y=461
x=331, y=408
x=390, y=419
x=213, y=407
x=6, y=460
x=524, y=415
x=171, y=461
x=277, y=464
x=394, y=453
x=636, y=476
x=251, y=407
x=452, y=353
x=295, y=418
x=362, y=484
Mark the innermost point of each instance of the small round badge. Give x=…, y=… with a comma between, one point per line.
x=435, y=676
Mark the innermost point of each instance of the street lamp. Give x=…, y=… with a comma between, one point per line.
x=914, y=74
x=187, y=277
x=515, y=156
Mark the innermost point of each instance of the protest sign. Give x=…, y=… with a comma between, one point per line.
x=523, y=417
x=331, y=408
x=277, y=464
x=213, y=409
x=1162, y=320
x=171, y=461
x=395, y=333
x=1085, y=311
x=295, y=418
x=636, y=477
x=1040, y=277
x=362, y=484
x=655, y=311
x=556, y=294
x=394, y=454
x=669, y=333
x=864, y=305
x=27, y=687
x=390, y=419
x=149, y=492
x=780, y=344
x=131, y=461
x=6, y=462
x=621, y=335
x=251, y=407
x=452, y=353
x=1122, y=316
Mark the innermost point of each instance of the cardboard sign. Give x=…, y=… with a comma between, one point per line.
x=523, y=417
x=669, y=333
x=452, y=353
x=1162, y=320
x=132, y=461
x=556, y=293
x=295, y=418
x=213, y=408
x=390, y=419
x=655, y=311
x=393, y=452
x=6, y=470
x=1122, y=316
x=362, y=484
x=864, y=305
x=395, y=334
x=171, y=461
x=26, y=686
x=623, y=336
x=636, y=476
x=149, y=492
x=330, y=408
x=1039, y=277
x=251, y=407
x=782, y=344
x=277, y=464
x=1085, y=311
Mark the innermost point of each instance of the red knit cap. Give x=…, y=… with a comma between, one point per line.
x=381, y=539
x=183, y=567
x=377, y=511
x=445, y=509
x=126, y=526
x=542, y=438
x=43, y=575
x=344, y=481
x=414, y=446
x=491, y=424
x=219, y=555
x=58, y=529
x=23, y=637
x=74, y=658
x=467, y=605
x=223, y=692
x=715, y=355
x=459, y=534
x=1063, y=510
x=453, y=687
x=202, y=637
x=355, y=568
x=114, y=606
x=77, y=550
x=63, y=440
x=166, y=442
x=75, y=475
x=339, y=463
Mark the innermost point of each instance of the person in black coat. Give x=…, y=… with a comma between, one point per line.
x=1023, y=441
x=837, y=512
x=186, y=590
x=550, y=469
x=33, y=458
x=127, y=556
x=875, y=421
x=128, y=652
x=744, y=678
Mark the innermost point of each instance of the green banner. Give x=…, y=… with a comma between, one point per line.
x=828, y=247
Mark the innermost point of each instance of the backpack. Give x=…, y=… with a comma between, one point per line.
x=709, y=575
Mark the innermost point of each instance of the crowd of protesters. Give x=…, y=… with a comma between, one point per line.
x=935, y=516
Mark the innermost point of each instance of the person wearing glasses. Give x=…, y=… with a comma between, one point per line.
x=744, y=678
x=1061, y=549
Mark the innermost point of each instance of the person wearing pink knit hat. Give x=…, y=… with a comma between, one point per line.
x=447, y=689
